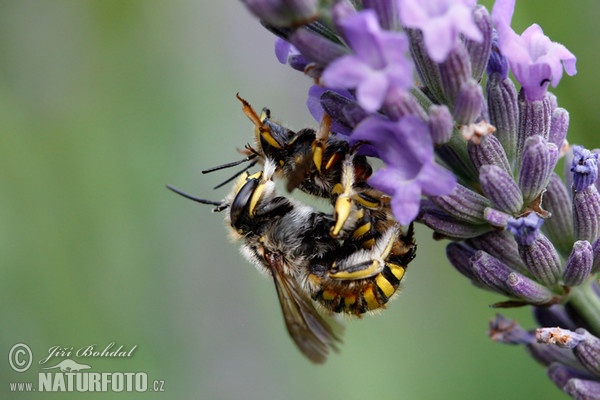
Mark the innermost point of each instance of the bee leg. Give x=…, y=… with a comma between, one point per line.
x=319, y=144
x=366, y=263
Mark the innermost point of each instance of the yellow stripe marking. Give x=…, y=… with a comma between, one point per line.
x=397, y=270
x=363, y=273
x=360, y=214
x=329, y=294
x=368, y=204
x=370, y=298
x=330, y=162
x=266, y=134
x=362, y=230
x=255, y=198
x=349, y=301
x=385, y=285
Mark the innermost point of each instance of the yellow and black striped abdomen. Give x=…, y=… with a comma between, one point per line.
x=359, y=296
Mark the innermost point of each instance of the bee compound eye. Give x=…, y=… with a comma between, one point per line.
x=239, y=211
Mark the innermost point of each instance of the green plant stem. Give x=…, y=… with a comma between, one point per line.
x=587, y=303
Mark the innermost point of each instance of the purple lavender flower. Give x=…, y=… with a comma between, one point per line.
x=340, y=123
x=534, y=59
x=584, y=168
x=525, y=229
x=406, y=148
x=378, y=63
x=441, y=22
x=286, y=53
x=504, y=160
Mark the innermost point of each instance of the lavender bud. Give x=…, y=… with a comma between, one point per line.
x=588, y=351
x=428, y=70
x=579, y=264
x=560, y=337
x=315, y=47
x=586, y=214
x=537, y=164
x=463, y=204
x=489, y=151
x=495, y=217
x=559, y=227
x=583, y=389
x=469, y=100
x=440, y=123
x=458, y=254
x=504, y=330
x=547, y=355
x=283, y=13
x=501, y=189
x=561, y=374
x=451, y=227
x=504, y=111
x=584, y=167
x=454, y=72
x=534, y=119
x=491, y=272
x=524, y=288
x=502, y=245
x=559, y=125
x=541, y=260
x=479, y=52
x=400, y=103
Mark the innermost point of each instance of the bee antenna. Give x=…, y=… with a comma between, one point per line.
x=246, y=168
x=196, y=199
x=231, y=164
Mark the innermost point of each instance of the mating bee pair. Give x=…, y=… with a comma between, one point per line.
x=351, y=261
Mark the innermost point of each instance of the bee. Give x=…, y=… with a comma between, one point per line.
x=314, y=272
x=315, y=162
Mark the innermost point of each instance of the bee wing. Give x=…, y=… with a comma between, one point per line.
x=309, y=330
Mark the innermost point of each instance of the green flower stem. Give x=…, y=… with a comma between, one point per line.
x=587, y=303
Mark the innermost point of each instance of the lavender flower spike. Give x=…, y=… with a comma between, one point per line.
x=534, y=59
x=406, y=148
x=379, y=61
x=442, y=22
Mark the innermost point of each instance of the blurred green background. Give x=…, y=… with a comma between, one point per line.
x=101, y=104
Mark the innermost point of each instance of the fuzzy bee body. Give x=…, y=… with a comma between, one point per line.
x=349, y=262
x=292, y=241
